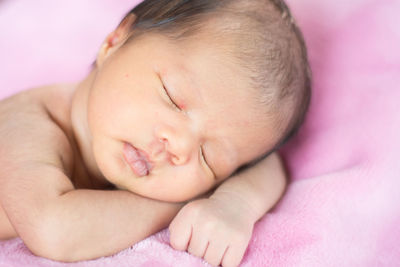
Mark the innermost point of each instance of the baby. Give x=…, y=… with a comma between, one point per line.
x=183, y=95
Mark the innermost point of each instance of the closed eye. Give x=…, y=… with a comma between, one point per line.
x=171, y=101
x=205, y=160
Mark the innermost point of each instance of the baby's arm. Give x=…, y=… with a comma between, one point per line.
x=219, y=228
x=57, y=222
x=54, y=219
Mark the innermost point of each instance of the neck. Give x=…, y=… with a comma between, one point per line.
x=81, y=130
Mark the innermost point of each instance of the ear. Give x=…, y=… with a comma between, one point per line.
x=116, y=39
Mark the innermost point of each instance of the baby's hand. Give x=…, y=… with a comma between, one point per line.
x=217, y=230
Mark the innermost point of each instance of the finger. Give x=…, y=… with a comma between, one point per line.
x=180, y=235
x=214, y=253
x=233, y=256
x=198, y=244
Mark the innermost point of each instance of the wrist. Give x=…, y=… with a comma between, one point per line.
x=231, y=198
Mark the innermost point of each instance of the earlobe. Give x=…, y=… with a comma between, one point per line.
x=116, y=38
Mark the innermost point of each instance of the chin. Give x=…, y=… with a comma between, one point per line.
x=166, y=198
x=160, y=196
x=173, y=197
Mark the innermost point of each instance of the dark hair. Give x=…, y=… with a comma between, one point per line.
x=270, y=47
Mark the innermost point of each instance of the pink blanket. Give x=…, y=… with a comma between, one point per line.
x=342, y=207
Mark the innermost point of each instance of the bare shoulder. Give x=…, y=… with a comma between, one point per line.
x=30, y=132
x=36, y=158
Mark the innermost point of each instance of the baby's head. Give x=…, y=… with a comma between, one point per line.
x=188, y=92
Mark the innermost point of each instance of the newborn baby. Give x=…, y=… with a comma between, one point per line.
x=184, y=97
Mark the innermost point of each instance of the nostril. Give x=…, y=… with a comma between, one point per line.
x=175, y=160
x=179, y=160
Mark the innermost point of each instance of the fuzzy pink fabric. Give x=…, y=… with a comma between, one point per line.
x=342, y=207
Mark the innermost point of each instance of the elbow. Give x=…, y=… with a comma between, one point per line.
x=50, y=248
x=49, y=241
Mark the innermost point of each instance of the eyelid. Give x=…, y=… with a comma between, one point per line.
x=205, y=160
x=169, y=97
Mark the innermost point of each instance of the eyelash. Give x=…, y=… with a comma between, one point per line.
x=176, y=106
x=170, y=99
x=205, y=160
x=202, y=155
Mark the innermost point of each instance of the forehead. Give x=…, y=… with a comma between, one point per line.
x=216, y=96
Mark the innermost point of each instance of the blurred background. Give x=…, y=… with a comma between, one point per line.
x=51, y=41
x=48, y=41
x=342, y=206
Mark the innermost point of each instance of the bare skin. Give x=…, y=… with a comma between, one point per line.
x=53, y=157
x=58, y=195
x=50, y=176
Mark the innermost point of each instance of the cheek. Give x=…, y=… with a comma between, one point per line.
x=103, y=108
x=108, y=155
x=176, y=184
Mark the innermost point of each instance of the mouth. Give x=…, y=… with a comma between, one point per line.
x=137, y=160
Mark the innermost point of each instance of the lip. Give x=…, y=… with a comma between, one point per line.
x=137, y=160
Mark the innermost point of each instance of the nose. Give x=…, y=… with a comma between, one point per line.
x=179, y=143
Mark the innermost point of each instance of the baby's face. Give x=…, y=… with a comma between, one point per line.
x=170, y=121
